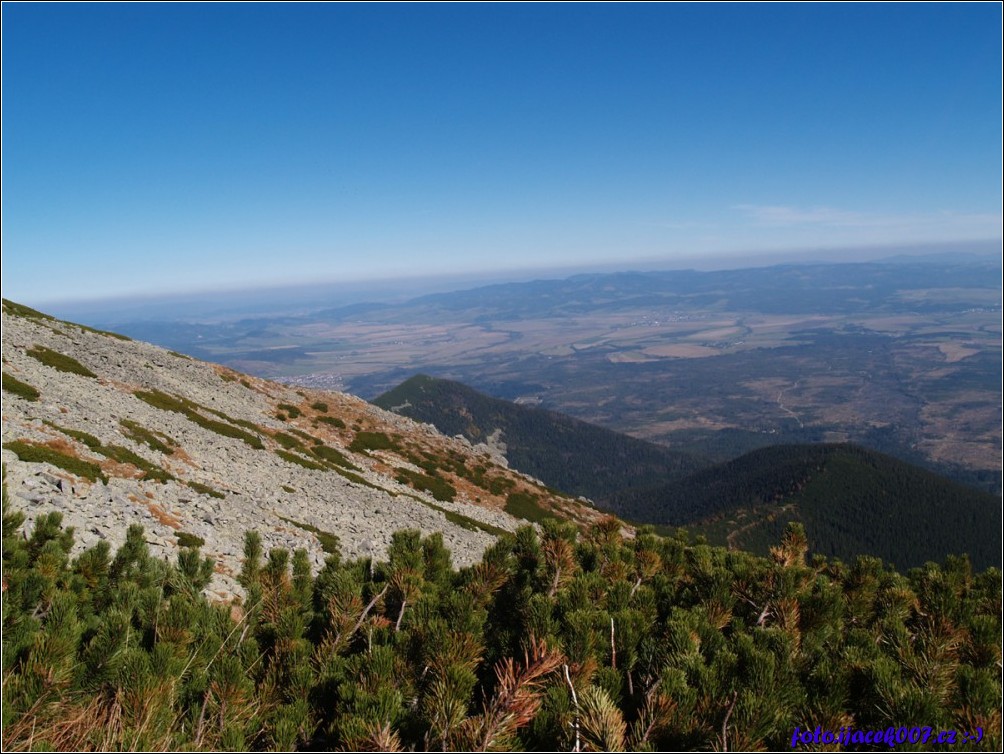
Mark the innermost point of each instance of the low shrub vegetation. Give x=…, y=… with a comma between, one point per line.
x=190, y=410
x=464, y=522
x=299, y=460
x=355, y=478
x=497, y=485
x=20, y=310
x=290, y=410
x=527, y=506
x=124, y=455
x=116, y=453
x=158, y=441
x=86, y=438
x=42, y=454
x=330, y=543
x=366, y=441
x=14, y=386
x=306, y=436
x=205, y=489
x=105, y=333
x=334, y=421
x=287, y=441
x=59, y=361
x=556, y=641
x=438, y=488
x=189, y=540
x=333, y=456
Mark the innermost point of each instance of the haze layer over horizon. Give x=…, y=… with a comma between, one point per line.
x=152, y=149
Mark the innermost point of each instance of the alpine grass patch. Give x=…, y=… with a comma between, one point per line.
x=59, y=361
x=14, y=386
x=526, y=505
x=158, y=441
x=189, y=409
x=31, y=453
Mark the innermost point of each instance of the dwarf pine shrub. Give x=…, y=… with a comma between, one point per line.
x=556, y=640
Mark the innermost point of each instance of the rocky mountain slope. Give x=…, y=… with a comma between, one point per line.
x=112, y=432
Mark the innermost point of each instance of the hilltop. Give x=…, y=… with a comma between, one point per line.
x=110, y=432
x=851, y=500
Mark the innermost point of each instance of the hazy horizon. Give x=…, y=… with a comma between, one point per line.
x=154, y=149
x=288, y=300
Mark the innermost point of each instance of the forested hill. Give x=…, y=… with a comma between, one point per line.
x=569, y=454
x=851, y=500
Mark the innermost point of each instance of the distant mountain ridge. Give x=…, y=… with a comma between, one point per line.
x=901, y=355
x=785, y=288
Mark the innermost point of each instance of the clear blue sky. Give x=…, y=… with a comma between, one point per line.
x=155, y=148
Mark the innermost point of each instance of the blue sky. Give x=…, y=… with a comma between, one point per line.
x=157, y=148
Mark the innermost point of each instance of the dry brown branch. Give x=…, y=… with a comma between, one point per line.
x=516, y=699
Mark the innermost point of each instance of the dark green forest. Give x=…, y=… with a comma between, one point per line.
x=568, y=454
x=851, y=500
x=557, y=640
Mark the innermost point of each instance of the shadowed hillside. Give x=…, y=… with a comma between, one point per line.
x=852, y=501
x=572, y=455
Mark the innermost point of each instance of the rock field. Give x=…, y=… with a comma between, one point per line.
x=238, y=486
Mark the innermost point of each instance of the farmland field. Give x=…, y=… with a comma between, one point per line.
x=902, y=357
